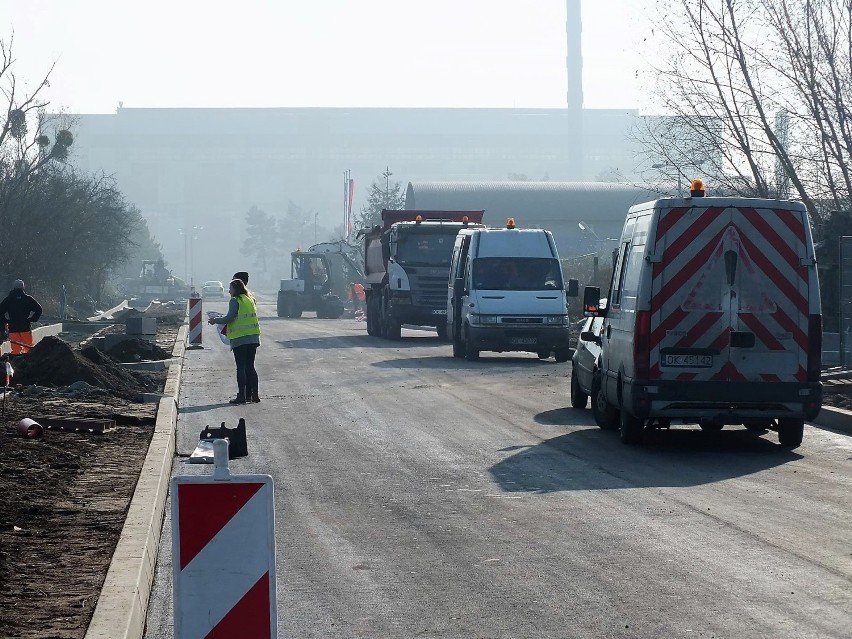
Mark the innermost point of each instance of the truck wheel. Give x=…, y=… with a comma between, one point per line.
x=606, y=416
x=710, y=425
x=471, y=354
x=394, y=329
x=632, y=428
x=790, y=432
x=562, y=355
x=442, y=331
x=281, y=307
x=543, y=354
x=578, y=398
x=371, y=317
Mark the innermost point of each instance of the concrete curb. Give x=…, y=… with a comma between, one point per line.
x=123, y=602
x=832, y=418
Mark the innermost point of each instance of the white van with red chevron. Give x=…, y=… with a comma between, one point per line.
x=713, y=318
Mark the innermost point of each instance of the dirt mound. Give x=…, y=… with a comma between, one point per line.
x=136, y=349
x=52, y=362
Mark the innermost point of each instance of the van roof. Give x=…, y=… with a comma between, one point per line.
x=514, y=243
x=704, y=202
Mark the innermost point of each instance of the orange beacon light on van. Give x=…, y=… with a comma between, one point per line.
x=510, y=223
x=696, y=189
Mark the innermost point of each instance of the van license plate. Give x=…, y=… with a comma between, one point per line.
x=439, y=311
x=688, y=361
x=523, y=340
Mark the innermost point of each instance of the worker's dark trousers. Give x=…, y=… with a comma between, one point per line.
x=246, y=374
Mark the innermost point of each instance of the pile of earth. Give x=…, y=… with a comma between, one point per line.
x=137, y=349
x=52, y=362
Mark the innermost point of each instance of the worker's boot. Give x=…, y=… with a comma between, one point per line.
x=239, y=399
x=253, y=396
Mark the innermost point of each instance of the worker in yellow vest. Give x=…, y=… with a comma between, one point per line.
x=244, y=336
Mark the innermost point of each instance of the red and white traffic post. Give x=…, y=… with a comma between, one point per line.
x=223, y=547
x=195, y=320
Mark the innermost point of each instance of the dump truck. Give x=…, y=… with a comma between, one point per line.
x=406, y=268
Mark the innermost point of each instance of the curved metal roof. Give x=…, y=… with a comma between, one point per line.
x=539, y=201
x=556, y=206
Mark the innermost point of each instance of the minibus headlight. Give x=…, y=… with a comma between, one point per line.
x=557, y=320
x=478, y=319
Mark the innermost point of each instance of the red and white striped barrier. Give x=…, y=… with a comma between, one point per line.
x=195, y=319
x=223, y=547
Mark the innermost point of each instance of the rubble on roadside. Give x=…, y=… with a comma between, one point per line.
x=137, y=349
x=54, y=363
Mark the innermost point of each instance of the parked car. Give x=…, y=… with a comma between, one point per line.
x=586, y=360
x=212, y=288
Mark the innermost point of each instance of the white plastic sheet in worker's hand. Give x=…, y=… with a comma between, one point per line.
x=221, y=329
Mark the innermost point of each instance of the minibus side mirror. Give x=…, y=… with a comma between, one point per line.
x=572, y=289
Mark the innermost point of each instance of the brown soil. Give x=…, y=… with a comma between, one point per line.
x=64, y=497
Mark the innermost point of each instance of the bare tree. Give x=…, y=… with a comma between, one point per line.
x=384, y=193
x=755, y=95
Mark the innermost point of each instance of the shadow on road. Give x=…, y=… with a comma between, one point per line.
x=200, y=409
x=362, y=341
x=449, y=362
x=593, y=459
x=564, y=417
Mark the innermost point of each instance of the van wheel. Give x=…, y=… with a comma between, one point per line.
x=578, y=398
x=790, y=432
x=458, y=347
x=632, y=428
x=543, y=354
x=471, y=354
x=606, y=416
x=562, y=355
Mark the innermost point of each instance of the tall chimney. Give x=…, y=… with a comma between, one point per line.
x=574, y=66
x=574, y=61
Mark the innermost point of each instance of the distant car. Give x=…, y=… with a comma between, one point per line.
x=212, y=288
x=585, y=367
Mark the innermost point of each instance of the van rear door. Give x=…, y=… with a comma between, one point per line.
x=730, y=293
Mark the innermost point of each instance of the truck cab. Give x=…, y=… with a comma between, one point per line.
x=506, y=292
x=407, y=260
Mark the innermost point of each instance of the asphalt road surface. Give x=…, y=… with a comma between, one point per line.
x=419, y=495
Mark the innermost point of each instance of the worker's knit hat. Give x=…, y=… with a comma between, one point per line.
x=18, y=284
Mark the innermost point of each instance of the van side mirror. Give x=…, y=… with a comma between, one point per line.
x=592, y=301
x=572, y=289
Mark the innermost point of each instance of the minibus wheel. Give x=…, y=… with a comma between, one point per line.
x=790, y=432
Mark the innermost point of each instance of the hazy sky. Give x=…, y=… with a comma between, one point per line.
x=256, y=53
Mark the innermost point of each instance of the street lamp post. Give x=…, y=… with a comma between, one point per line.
x=192, y=237
x=663, y=165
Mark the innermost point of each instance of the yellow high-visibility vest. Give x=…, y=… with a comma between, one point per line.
x=245, y=323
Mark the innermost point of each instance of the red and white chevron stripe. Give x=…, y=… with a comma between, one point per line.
x=693, y=307
x=224, y=557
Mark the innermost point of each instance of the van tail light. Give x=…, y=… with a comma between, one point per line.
x=642, y=345
x=814, y=347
